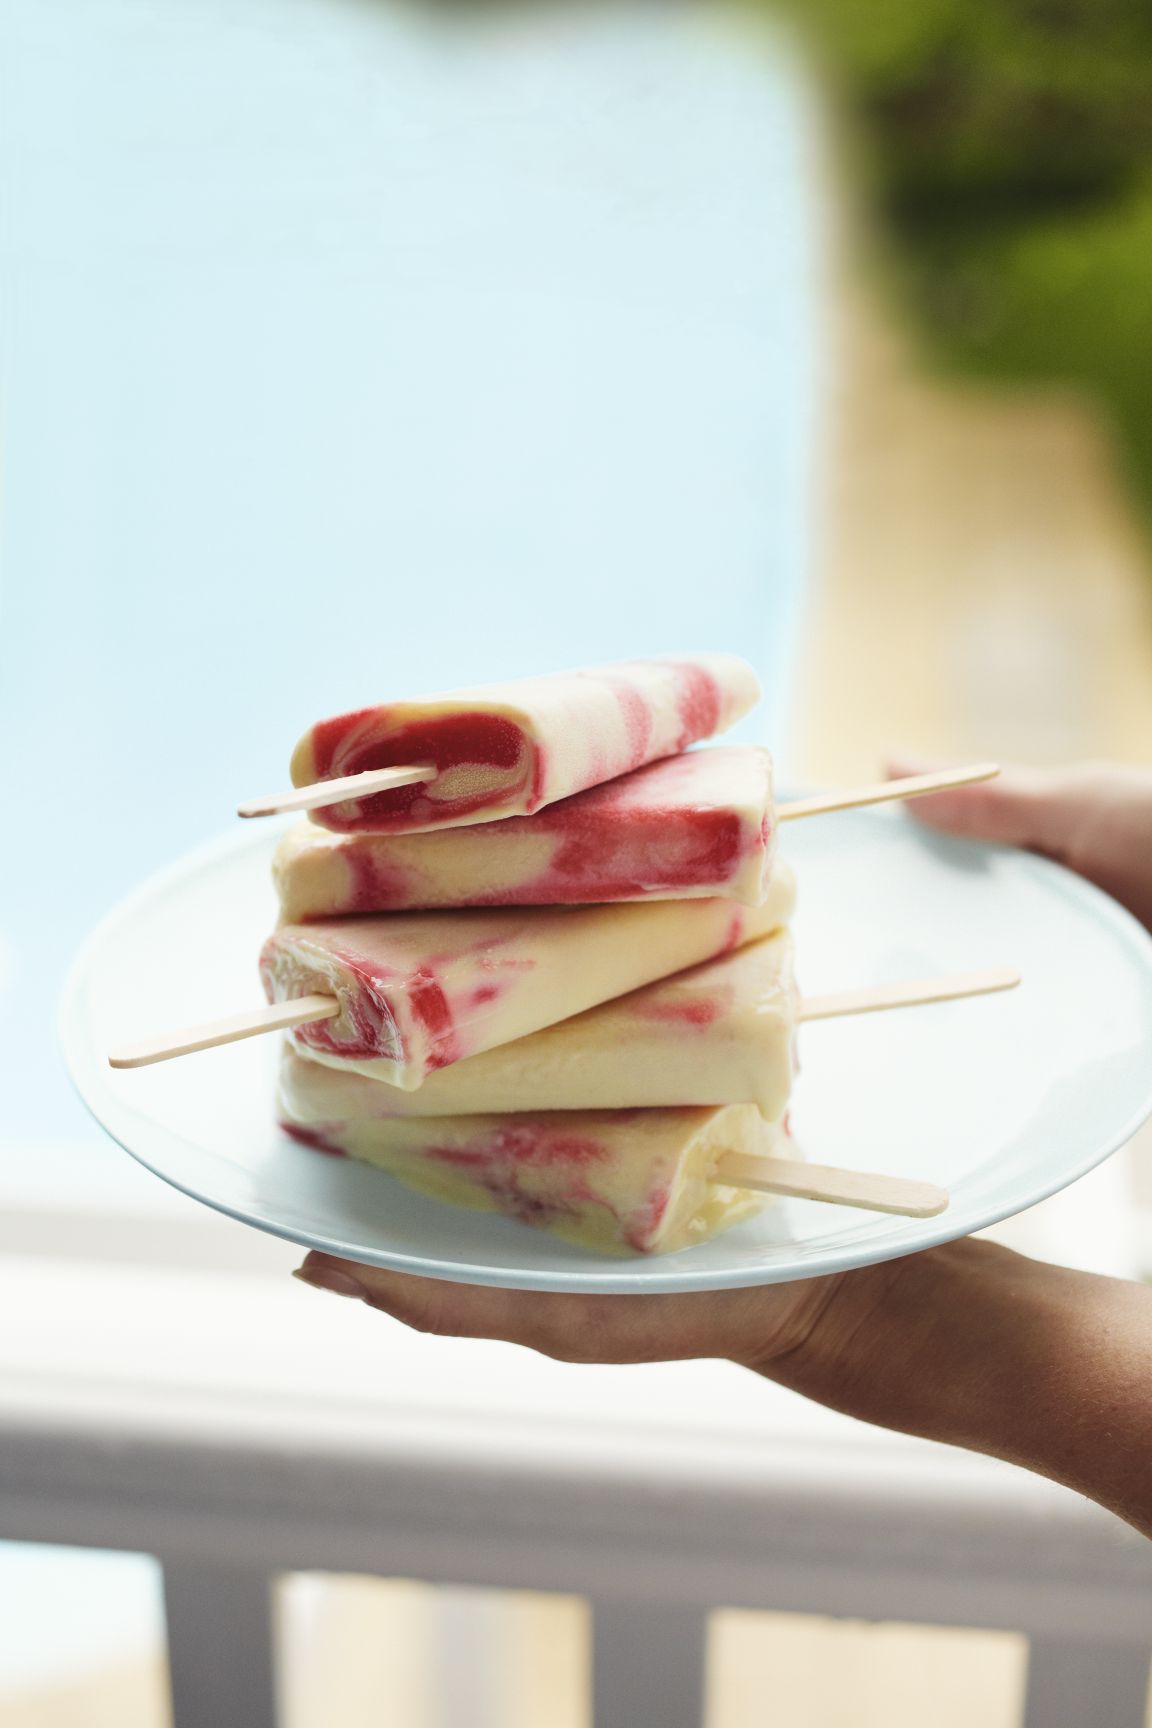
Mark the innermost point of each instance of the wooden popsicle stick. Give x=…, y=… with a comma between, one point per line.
x=323, y=792
x=792, y=1176
x=877, y=997
x=300, y=1011
x=887, y=791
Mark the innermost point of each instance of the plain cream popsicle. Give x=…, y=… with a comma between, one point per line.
x=625, y=1181
x=419, y=991
x=690, y=825
x=721, y=1033
x=510, y=749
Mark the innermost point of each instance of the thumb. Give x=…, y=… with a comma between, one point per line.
x=1042, y=809
x=1096, y=818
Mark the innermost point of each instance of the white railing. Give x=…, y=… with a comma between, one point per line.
x=234, y=1454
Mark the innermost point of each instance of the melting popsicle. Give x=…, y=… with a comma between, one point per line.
x=624, y=1181
x=720, y=1033
x=499, y=750
x=419, y=991
x=692, y=825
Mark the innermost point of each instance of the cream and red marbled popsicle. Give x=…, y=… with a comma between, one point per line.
x=510, y=749
x=617, y=1181
x=720, y=1033
x=691, y=825
x=419, y=991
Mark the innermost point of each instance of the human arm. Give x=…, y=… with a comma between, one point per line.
x=968, y=1343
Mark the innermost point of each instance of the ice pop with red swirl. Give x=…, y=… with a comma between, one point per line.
x=419, y=991
x=615, y=1181
x=720, y=1033
x=692, y=825
x=499, y=750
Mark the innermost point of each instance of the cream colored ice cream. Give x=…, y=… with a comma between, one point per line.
x=509, y=749
x=419, y=991
x=690, y=825
x=619, y=1182
x=721, y=1033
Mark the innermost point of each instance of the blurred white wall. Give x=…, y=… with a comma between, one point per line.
x=351, y=349
x=348, y=349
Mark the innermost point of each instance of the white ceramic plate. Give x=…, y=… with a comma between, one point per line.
x=1002, y=1099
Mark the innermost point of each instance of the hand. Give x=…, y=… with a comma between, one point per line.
x=857, y=1340
x=968, y=1343
x=1095, y=818
x=755, y=1327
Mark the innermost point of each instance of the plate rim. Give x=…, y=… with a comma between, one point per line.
x=604, y=1275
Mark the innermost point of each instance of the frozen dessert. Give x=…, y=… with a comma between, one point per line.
x=690, y=825
x=720, y=1033
x=623, y=1181
x=419, y=991
x=510, y=749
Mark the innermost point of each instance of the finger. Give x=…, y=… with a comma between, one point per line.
x=425, y=1304
x=743, y=1324
x=1039, y=808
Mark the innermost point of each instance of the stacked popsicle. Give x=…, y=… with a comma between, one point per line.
x=550, y=949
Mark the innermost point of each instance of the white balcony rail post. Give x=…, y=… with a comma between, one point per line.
x=471, y=1655
x=1075, y=1683
x=220, y=1650
x=648, y=1664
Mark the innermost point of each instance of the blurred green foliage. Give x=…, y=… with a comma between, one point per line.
x=1009, y=146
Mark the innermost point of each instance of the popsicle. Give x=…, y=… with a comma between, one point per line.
x=418, y=991
x=691, y=825
x=499, y=750
x=720, y=1033
x=624, y=1181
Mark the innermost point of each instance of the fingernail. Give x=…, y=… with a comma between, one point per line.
x=328, y=1278
x=899, y=763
